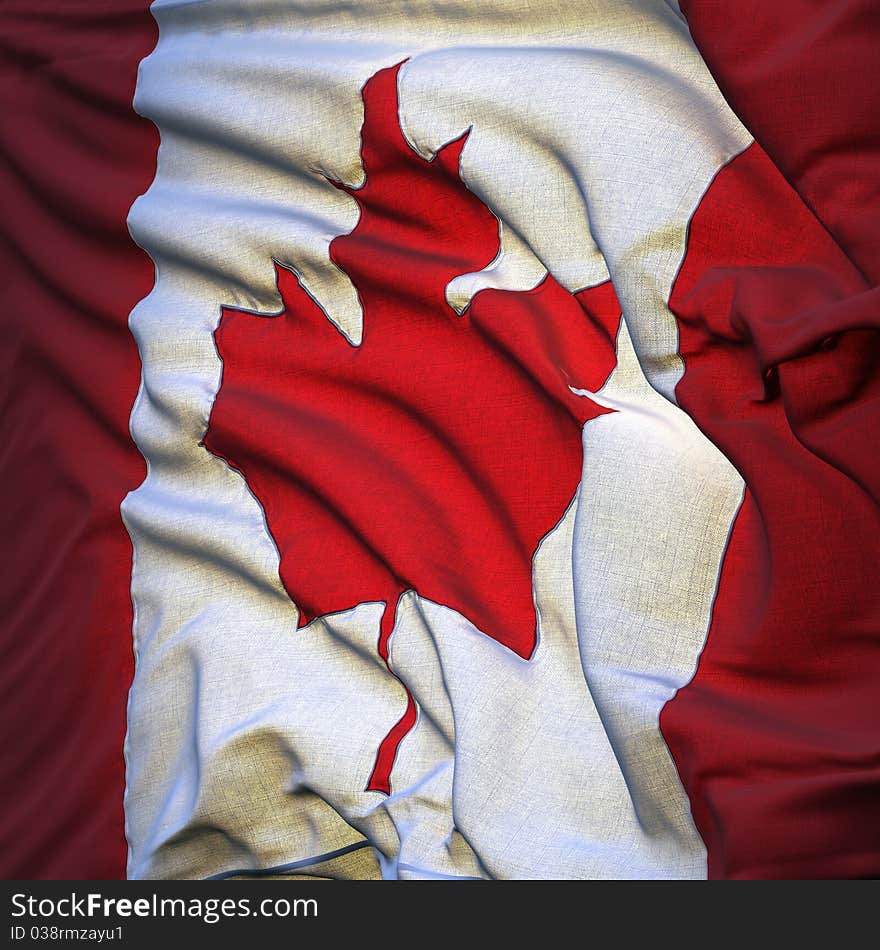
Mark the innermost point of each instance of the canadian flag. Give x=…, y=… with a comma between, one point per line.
x=440, y=439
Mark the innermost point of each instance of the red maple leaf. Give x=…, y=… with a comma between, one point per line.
x=438, y=453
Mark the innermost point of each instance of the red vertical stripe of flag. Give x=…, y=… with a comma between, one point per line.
x=74, y=157
x=777, y=737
